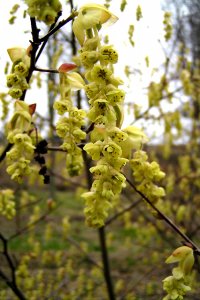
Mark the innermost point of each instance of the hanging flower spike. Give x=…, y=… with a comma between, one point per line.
x=21, y=154
x=179, y=283
x=69, y=127
x=45, y=11
x=90, y=16
x=16, y=80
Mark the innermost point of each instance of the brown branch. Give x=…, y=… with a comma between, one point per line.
x=166, y=219
x=25, y=206
x=76, y=244
x=135, y=283
x=73, y=183
x=56, y=149
x=152, y=220
x=30, y=225
x=12, y=283
x=117, y=215
x=45, y=70
x=46, y=40
x=6, y=149
x=106, y=264
x=80, y=145
x=60, y=24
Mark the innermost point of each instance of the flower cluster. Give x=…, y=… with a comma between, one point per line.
x=167, y=25
x=20, y=155
x=186, y=81
x=4, y=106
x=7, y=204
x=16, y=80
x=130, y=34
x=157, y=91
x=110, y=145
x=138, y=13
x=105, y=99
x=90, y=18
x=44, y=10
x=108, y=182
x=178, y=284
x=69, y=127
x=145, y=174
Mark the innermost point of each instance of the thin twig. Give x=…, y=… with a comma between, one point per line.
x=30, y=225
x=166, y=219
x=56, y=149
x=60, y=24
x=73, y=183
x=120, y=213
x=45, y=70
x=46, y=40
x=136, y=282
x=76, y=244
x=12, y=283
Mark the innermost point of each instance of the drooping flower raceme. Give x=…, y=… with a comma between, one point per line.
x=20, y=126
x=44, y=10
x=147, y=175
x=178, y=284
x=7, y=204
x=107, y=140
x=69, y=126
x=22, y=152
x=16, y=80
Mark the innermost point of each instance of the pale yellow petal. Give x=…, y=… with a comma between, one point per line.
x=79, y=30
x=94, y=14
x=135, y=132
x=75, y=80
x=16, y=53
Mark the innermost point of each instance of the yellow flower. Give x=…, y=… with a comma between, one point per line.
x=21, y=118
x=90, y=16
x=19, y=54
x=184, y=256
x=136, y=137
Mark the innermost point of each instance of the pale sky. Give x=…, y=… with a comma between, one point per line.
x=147, y=32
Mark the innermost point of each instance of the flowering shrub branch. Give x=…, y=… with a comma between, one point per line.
x=92, y=139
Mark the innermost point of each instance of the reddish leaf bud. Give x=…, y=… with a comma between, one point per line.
x=66, y=67
x=32, y=108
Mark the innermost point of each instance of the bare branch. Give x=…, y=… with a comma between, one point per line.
x=166, y=219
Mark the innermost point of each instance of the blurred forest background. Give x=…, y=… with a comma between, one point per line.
x=52, y=254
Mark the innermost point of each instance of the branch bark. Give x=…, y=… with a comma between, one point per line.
x=10, y=282
x=167, y=220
